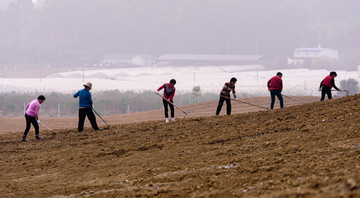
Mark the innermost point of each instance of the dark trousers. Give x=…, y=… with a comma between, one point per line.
x=31, y=120
x=166, y=103
x=325, y=90
x=273, y=93
x=221, y=102
x=83, y=112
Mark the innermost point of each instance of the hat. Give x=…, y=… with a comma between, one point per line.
x=88, y=84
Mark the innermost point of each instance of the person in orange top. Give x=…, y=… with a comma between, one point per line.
x=327, y=84
x=275, y=87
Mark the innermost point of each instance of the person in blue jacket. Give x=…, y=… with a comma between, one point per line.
x=85, y=107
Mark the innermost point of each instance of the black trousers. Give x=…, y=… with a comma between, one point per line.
x=166, y=104
x=221, y=102
x=325, y=90
x=277, y=93
x=83, y=112
x=31, y=120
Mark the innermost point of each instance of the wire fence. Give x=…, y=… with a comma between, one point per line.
x=115, y=102
x=107, y=103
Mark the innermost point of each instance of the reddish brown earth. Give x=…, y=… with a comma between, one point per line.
x=310, y=150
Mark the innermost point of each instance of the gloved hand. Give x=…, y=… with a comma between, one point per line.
x=157, y=92
x=38, y=121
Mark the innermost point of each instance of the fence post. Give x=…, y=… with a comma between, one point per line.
x=59, y=110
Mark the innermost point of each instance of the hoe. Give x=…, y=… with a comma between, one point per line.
x=245, y=102
x=108, y=126
x=173, y=104
x=52, y=132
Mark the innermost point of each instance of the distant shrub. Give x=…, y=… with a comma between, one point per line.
x=351, y=85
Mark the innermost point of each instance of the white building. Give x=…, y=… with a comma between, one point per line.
x=302, y=54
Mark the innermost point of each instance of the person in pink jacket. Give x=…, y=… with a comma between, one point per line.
x=32, y=117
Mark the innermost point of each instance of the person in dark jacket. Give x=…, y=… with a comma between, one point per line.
x=169, y=93
x=85, y=107
x=327, y=84
x=275, y=87
x=225, y=96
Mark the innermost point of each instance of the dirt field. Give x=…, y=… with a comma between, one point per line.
x=310, y=150
x=9, y=125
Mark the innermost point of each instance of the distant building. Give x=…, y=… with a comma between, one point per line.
x=127, y=60
x=207, y=59
x=303, y=54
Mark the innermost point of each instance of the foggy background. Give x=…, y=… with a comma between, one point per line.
x=77, y=32
x=129, y=48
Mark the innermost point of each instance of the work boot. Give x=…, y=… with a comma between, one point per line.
x=24, y=138
x=173, y=119
x=38, y=137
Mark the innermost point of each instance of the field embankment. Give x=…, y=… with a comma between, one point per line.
x=17, y=124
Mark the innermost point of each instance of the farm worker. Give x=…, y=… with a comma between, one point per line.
x=32, y=117
x=85, y=107
x=169, y=93
x=275, y=87
x=327, y=84
x=225, y=96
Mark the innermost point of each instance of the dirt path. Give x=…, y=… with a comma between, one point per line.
x=194, y=110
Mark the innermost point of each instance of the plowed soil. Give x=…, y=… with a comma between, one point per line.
x=310, y=150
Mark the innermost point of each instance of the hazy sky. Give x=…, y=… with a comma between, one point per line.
x=82, y=31
x=5, y=3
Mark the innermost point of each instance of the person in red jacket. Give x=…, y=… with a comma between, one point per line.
x=327, y=84
x=275, y=87
x=169, y=92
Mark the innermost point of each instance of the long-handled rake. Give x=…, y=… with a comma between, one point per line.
x=52, y=132
x=346, y=91
x=172, y=104
x=293, y=99
x=108, y=126
x=245, y=102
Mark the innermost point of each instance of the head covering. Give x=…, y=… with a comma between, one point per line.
x=88, y=84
